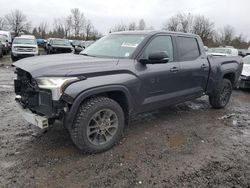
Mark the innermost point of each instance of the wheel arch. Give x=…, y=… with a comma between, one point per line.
x=230, y=76
x=118, y=93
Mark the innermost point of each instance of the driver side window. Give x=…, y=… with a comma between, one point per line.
x=159, y=44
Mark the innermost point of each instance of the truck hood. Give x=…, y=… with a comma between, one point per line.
x=246, y=70
x=65, y=65
x=24, y=45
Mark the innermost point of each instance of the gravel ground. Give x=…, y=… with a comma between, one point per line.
x=189, y=145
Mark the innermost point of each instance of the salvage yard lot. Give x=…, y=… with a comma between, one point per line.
x=189, y=145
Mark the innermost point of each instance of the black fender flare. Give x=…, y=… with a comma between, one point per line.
x=70, y=115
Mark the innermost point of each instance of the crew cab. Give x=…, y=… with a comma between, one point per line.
x=57, y=45
x=24, y=46
x=94, y=94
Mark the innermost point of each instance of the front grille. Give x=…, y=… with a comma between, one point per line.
x=25, y=49
x=30, y=96
x=62, y=50
x=27, y=88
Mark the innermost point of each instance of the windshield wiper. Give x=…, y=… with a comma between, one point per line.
x=84, y=54
x=88, y=55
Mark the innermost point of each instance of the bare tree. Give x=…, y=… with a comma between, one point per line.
x=227, y=35
x=132, y=26
x=2, y=23
x=42, y=29
x=203, y=27
x=67, y=22
x=171, y=24
x=119, y=27
x=17, y=22
x=78, y=21
x=89, y=28
x=142, y=24
x=180, y=22
x=58, y=30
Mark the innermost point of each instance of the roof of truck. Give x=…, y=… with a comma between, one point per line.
x=153, y=32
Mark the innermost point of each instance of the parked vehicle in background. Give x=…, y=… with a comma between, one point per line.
x=4, y=41
x=83, y=45
x=23, y=47
x=223, y=51
x=8, y=35
x=57, y=45
x=245, y=75
x=242, y=52
x=41, y=42
x=28, y=36
x=120, y=75
x=1, y=49
x=75, y=43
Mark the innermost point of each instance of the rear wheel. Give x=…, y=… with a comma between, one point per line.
x=221, y=96
x=98, y=125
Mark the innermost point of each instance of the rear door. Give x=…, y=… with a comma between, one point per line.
x=194, y=67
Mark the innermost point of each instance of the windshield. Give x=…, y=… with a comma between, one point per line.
x=61, y=42
x=219, y=50
x=246, y=60
x=116, y=46
x=24, y=41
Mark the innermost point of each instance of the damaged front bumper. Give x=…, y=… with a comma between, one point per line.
x=36, y=104
x=39, y=121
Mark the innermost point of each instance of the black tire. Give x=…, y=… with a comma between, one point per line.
x=87, y=140
x=221, y=95
x=5, y=52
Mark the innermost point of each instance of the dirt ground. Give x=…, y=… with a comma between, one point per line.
x=189, y=145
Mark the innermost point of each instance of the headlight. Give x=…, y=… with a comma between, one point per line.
x=34, y=49
x=15, y=49
x=54, y=82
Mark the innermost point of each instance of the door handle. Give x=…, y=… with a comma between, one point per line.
x=174, y=69
x=204, y=66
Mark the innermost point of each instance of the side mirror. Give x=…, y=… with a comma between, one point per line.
x=6, y=41
x=156, y=58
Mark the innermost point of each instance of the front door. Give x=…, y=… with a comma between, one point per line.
x=158, y=80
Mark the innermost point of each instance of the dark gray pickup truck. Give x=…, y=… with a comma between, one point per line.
x=95, y=93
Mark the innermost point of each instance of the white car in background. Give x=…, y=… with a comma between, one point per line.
x=24, y=46
x=220, y=51
x=8, y=36
x=245, y=75
x=5, y=43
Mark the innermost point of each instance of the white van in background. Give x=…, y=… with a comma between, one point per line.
x=8, y=36
x=24, y=46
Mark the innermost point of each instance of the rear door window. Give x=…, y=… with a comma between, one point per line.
x=188, y=48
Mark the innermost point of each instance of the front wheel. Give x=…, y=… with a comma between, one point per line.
x=221, y=95
x=98, y=125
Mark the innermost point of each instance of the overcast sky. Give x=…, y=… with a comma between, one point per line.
x=106, y=13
